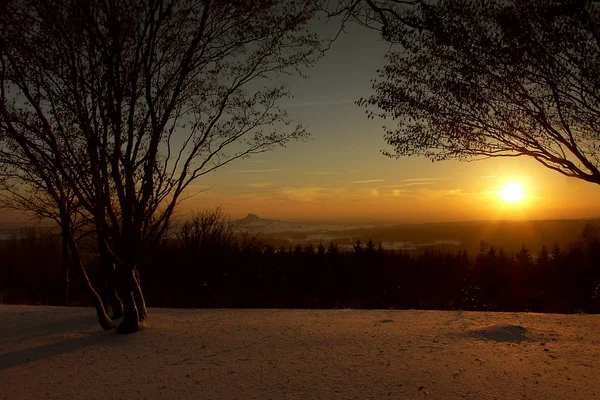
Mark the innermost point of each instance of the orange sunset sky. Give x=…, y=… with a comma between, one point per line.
x=341, y=175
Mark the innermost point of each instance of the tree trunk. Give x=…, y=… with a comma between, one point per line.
x=130, y=294
x=109, y=289
x=138, y=296
x=115, y=304
x=103, y=319
x=129, y=287
x=65, y=269
x=110, y=297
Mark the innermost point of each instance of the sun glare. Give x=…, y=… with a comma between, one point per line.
x=512, y=192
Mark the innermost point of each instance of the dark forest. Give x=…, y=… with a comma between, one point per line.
x=208, y=264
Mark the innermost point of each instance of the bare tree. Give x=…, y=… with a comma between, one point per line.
x=22, y=190
x=207, y=228
x=132, y=101
x=473, y=79
x=45, y=196
x=41, y=194
x=31, y=184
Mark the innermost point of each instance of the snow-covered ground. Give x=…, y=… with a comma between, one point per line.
x=53, y=352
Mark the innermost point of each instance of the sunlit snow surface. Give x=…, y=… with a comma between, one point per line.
x=61, y=353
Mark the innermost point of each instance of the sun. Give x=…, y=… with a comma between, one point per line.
x=512, y=192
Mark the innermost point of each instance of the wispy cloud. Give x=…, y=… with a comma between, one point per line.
x=457, y=192
x=423, y=179
x=254, y=171
x=354, y=171
x=427, y=193
x=311, y=193
x=275, y=195
x=369, y=181
x=322, y=173
x=408, y=184
x=454, y=193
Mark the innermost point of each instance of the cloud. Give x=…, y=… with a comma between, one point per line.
x=423, y=179
x=453, y=193
x=322, y=173
x=488, y=177
x=253, y=161
x=408, y=184
x=272, y=196
x=426, y=194
x=456, y=192
x=311, y=194
x=354, y=171
x=369, y=181
x=254, y=171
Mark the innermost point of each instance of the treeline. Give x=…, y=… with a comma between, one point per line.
x=206, y=264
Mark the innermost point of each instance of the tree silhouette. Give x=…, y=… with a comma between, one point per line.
x=543, y=257
x=244, y=271
x=473, y=79
x=358, y=248
x=22, y=189
x=131, y=102
x=523, y=257
x=556, y=253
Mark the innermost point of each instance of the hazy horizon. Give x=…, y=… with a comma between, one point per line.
x=17, y=220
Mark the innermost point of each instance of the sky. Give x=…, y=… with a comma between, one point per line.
x=341, y=175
